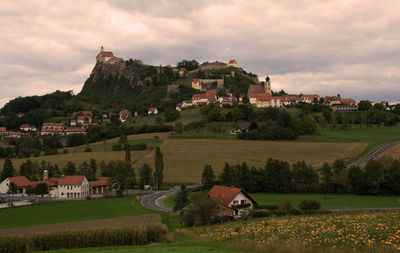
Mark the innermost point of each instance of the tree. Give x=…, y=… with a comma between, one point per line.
x=84, y=169
x=208, y=177
x=8, y=169
x=123, y=138
x=92, y=174
x=29, y=190
x=327, y=178
x=178, y=128
x=158, y=168
x=364, y=105
x=128, y=155
x=171, y=114
x=69, y=169
x=145, y=175
x=12, y=188
x=181, y=199
x=41, y=189
x=122, y=174
x=188, y=65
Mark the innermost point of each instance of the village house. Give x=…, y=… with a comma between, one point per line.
x=233, y=63
x=231, y=201
x=21, y=182
x=53, y=129
x=73, y=187
x=346, y=105
x=260, y=96
x=107, y=57
x=83, y=119
x=82, y=113
x=14, y=134
x=124, y=115
x=226, y=101
x=72, y=122
x=203, y=99
x=27, y=128
x=289, y=99
x=100, y=186
x=72, y=131
x=331, y=100
x=187, y=103
x=180, y=106
x=182, y=72
x=152, y=110
x=196, y=84
x=310, y=98
x=3, y=131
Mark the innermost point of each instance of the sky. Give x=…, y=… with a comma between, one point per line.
x=330, y=47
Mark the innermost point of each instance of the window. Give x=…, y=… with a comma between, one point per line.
x=235, y=202
x=243, y=201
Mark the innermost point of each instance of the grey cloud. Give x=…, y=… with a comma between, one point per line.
x=328, y=47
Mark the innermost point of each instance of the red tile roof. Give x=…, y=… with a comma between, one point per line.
x=71, y=180
x=107, y=54
x=20, y=181
x=232, y=61
x=223, y=194
x=3, y=129
x=261, y=96
x=53, y=124
x=255, y=88
x=83, y=117
x=102, y=181
x=349, y=101
x=182, y=69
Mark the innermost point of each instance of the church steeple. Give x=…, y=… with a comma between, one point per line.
x=102, y=49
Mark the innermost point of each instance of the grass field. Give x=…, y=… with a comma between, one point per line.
x=393, y=152
x=193, y=247
x=333, y=201
x=350, y=231
x=184, y=160
x=70, y=211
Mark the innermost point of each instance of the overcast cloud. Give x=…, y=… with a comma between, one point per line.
x=350, y=47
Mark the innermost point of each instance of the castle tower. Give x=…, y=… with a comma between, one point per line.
x=267, y=87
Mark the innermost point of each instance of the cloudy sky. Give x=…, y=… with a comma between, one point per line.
x=350, y=47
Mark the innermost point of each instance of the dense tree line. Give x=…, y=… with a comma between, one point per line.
x=380, y=177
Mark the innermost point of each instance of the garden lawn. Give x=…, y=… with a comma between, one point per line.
x=184, y=159
x=193, y=247
x=333, y=201
x=69, y=211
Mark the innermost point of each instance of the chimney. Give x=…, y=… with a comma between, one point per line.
x=45, y=175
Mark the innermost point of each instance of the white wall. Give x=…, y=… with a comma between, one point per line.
x=4, y=185
x=75, y=191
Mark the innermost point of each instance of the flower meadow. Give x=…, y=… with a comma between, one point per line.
x=346, y=230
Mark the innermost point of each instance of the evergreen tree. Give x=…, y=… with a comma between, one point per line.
x=145, y=175
x=227, y=176
x=158, y=168
x=327, y=178
x=92, y=175
x=84, y=169
x=69, y=169
x=128, y=155
x=181, y=199
x=26, y=169
x=8, y=169
x=208, y=177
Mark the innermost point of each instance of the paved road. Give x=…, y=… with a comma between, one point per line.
x=374, y=155
x=154, y=201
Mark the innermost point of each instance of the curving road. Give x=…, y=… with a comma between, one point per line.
x=154, y=201
x=374, y=155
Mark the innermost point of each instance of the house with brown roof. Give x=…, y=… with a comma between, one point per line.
x=259, y=95
x=73, y=187
x=83, y=119
x=182, y=72
x=209, y=97
x=21, y=182
x=100, y=186
x=27, y=128
x=310, y=98
x=231, y=201
x=14, y=134
x=152, y=110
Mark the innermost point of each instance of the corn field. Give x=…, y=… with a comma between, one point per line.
x=82, y=239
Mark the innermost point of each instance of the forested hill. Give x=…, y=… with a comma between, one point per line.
x=129, y=85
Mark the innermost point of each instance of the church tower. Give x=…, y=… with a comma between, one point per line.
x=267, y=85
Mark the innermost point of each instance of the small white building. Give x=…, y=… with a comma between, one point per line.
x=21, y=182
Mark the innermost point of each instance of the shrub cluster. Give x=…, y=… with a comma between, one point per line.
x=81, y=239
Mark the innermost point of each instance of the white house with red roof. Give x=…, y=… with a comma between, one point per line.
x=21, y=182
x=14, y=134
x=231, y=201
x=152, y=110
x=310, y=98
x=83, y=119
x=3, y=131
x=209, y=97
x=196, y=84
x=73, y=187
x=27, y=128
x=233, y=63
x=182, y=72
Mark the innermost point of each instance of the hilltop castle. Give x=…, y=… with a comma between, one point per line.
x=107, y=57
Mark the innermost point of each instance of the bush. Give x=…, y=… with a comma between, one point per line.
x=81, y=239
x=51, y=152
x=261, y=213
x=65, y=151
x=88, y=149
x=117, y=147
x=285, y=207
x=268, y=207
x=310, y=205
x=139, y=146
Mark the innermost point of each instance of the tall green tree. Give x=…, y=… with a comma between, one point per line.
x=69, y=169
x=26, y=169
x=128, y=155
x=327, y=178
x=122, y=174
x=208, y=177
x=84, y=169
x=181, y=199
x=158, y=168
x=41, y=189
x=8, y=169
x=92, y=175
x=145, y=175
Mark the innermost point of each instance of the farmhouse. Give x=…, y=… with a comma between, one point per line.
x=100, y=186
x=231, y=201
x=209, y=97
x=83, y=119
x=73, y=187
x=21, y=182
x=71, y=131
x=180, y=106
x=13, y=134
x=124, y=115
